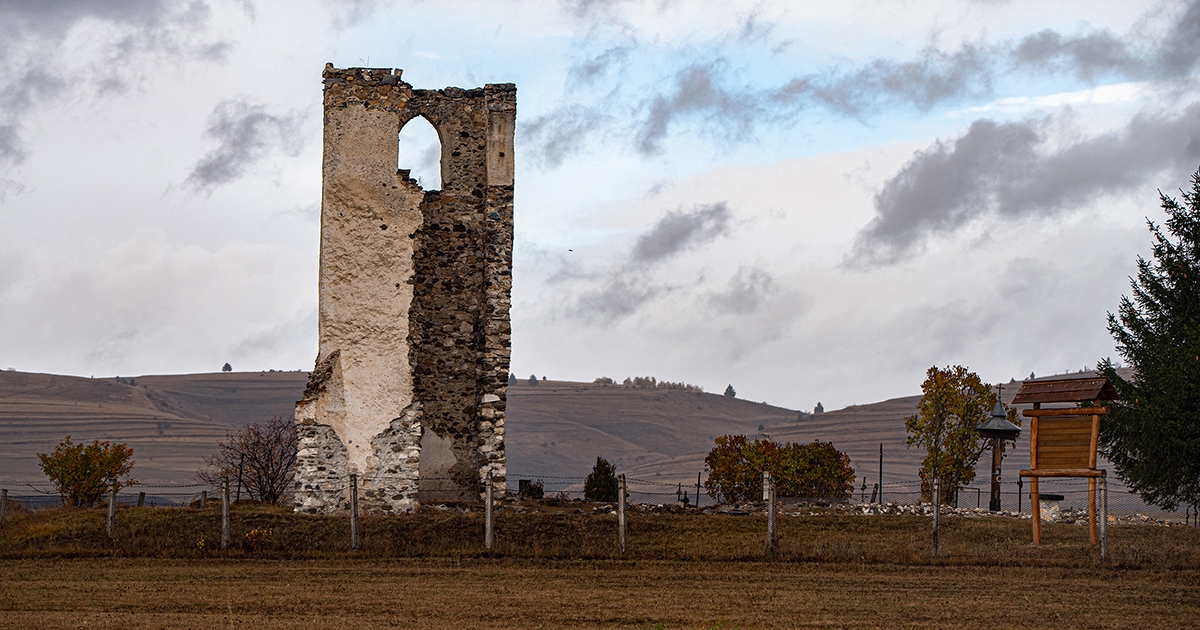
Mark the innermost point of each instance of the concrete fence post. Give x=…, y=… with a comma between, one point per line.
x=112, y=511
x=772, y=541
x=489, y=523
x=3, y=503
x=937, y=514
x=622, y=494
x=354, y=542
x=203, y=498
x=224, y=512
x=1103, y=518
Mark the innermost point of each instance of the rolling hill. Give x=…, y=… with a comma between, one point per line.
x=555, y=429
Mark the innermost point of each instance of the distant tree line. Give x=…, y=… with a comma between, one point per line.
x=649, y=382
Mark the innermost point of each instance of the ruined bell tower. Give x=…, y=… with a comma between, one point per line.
x=410, y=382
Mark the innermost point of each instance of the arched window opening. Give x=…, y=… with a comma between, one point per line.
x=421, y=153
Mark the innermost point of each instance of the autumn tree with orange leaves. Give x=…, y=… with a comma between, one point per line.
x=735, y=467
x=84, y=473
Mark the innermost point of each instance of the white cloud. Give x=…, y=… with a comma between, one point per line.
x=148, y=306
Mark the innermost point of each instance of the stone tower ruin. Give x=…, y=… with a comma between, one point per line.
x=410, y=381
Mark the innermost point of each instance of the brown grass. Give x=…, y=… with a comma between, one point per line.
x=556, y=568
x=556, y=532
x=135, y=593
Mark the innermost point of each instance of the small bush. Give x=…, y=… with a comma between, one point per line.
x=601, y=484
x=535, y=490
x=82, y=474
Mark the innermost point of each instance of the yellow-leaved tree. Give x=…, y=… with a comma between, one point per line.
x=954, y=401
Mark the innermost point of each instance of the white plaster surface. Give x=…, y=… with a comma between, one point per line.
x=368, y=217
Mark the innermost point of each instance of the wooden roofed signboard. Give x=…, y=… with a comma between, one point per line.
x=1063, y=441
x=1070, y=390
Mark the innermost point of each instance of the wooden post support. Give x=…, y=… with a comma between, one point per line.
x=1103, y=518
x=880, y=473
x=241, y=462
x=1035, y=504
x=622, y=493
x=772, y=542
x=203, y=498
x=141, y=499
x=112, y=511
x=697, y=490
x=1093, y=525
x=489, y=523
x=354, y=543
x=3, y=503
x=224, y=512
x=937, y=515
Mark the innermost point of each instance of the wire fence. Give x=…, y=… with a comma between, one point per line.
x=548, y=516
x=1060, y=497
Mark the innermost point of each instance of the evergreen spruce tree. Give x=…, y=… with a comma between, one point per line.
x=601, y=484
x=1152, y=435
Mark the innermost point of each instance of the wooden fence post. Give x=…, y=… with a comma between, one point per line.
x=203, y=498
x=622, y=493
x=489, y=524
x=224, y=512
x=937, y=514
x=141, y=499
x=3, y=503
x=354, y=543
x=1103, y=524
x=769, y=486
x=112, y=511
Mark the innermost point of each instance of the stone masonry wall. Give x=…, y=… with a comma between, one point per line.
x=410, y=383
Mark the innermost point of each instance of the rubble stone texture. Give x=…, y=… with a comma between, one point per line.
x=410, y=382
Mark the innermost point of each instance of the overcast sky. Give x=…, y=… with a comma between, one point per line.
x=811, y=203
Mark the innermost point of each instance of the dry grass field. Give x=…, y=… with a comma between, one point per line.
x=553, y=568
x=129, y=594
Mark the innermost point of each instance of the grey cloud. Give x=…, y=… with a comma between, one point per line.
x=1086, y=57
x=348, y=13
x=28, y=88
x=551, y=138
x=594, y=13
x=624, y=288
x=753, y=25
x=1179, y=51
x=11, y=149
x=1010, y=170
x=698, y=90
x=679, y=230
x=263, y=345
x=622, y=294
x=596, y=67
x=246, y=133
x=747, y=291
x=36, y=30
x=706, y=90
x=703, y=90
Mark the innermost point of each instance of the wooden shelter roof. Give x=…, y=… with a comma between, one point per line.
x=1067, y=390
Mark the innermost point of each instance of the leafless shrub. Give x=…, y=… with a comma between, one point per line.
x=264, y=455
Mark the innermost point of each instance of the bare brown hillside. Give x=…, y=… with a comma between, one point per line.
x=171, y=422
x=554, y=429
x=558, y=428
